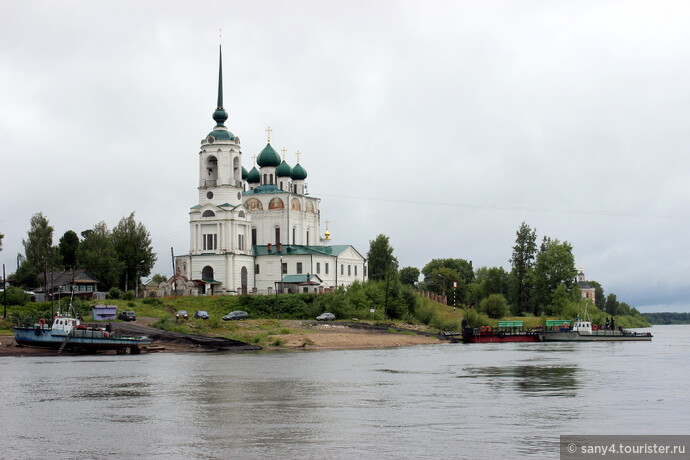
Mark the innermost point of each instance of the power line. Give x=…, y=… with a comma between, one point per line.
x=582, y=212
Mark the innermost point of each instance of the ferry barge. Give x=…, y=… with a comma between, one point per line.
x=507, y=331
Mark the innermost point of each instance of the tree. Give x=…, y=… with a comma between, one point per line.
x=27, y=276
x=381, y=260
x=439, y=275
x=133, y=245
x=555, y=265
x=409, y=275
x=611, y=305
x=522, y=261
x=494, y=280
x=495, y=306
x=441, y=280
x=158, y=278
x=461, y=266
x=97, y=254
x=38, y=247
x=69, y=243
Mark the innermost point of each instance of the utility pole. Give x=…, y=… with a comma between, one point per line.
x=4, y=290
x=172, y=255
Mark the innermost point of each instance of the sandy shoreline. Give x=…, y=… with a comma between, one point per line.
x=326, y=336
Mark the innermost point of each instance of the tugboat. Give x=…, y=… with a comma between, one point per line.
x=67, y=332
x=584, y=331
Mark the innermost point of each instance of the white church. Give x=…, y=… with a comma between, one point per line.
x=257, y=231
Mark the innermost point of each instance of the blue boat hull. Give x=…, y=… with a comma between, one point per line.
x=86, y=340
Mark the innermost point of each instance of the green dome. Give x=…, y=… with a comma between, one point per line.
x=298, y=172
x=244, y=173
x=222, y=135
x=283, y=170
x=254, y=177
x=268, y=157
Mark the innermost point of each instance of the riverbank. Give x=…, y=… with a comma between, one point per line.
x=296, y=335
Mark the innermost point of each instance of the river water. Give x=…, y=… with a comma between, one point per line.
x=483, y=401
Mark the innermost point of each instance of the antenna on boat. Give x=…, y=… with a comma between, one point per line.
x=70, y=311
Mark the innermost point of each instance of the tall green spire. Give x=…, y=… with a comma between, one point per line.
x=220, y=115
x=220, y=78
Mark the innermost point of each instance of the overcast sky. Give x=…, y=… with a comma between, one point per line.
x=442, y=124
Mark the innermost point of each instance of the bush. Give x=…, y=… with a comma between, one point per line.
x=129, y=295
x=15, y=296
x=152, y=301
x=476, y=319
x=114, y=293
x=495, y=306
x=166, y=324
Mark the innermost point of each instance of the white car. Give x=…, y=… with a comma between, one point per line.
x=325, y=317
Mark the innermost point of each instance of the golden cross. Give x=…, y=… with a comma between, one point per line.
x=297, y=154
x=254, y=158
x=284, y=150
x=268, y=130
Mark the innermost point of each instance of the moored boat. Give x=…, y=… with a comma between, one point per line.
x=486, y=334
x=67, y=332
x=583, y=331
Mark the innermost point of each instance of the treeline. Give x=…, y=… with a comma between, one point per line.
x=667, y=318
x=116, y=258
x=542, y=280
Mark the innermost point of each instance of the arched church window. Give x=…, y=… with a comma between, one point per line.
x=208, y=213
x=240, y=214
x=207, y=273
x=270, y=179
x=265, y=177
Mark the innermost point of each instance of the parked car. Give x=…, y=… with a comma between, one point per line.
x=127, y=316
x=325, y=317
x=235, y=315
x=201, y=314
x=182, y=314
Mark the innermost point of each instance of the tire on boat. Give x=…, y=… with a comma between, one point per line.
x=501, y=334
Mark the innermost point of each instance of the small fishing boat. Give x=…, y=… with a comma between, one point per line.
x=67, y=332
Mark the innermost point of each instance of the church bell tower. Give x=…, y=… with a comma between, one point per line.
x=220, y=158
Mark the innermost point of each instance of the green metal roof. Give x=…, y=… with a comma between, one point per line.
x=298, y=172
x=263, y=190
x=299, y=249
x=299, y=278
x=245, y=173
x=222, y=135
x=268, y=157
